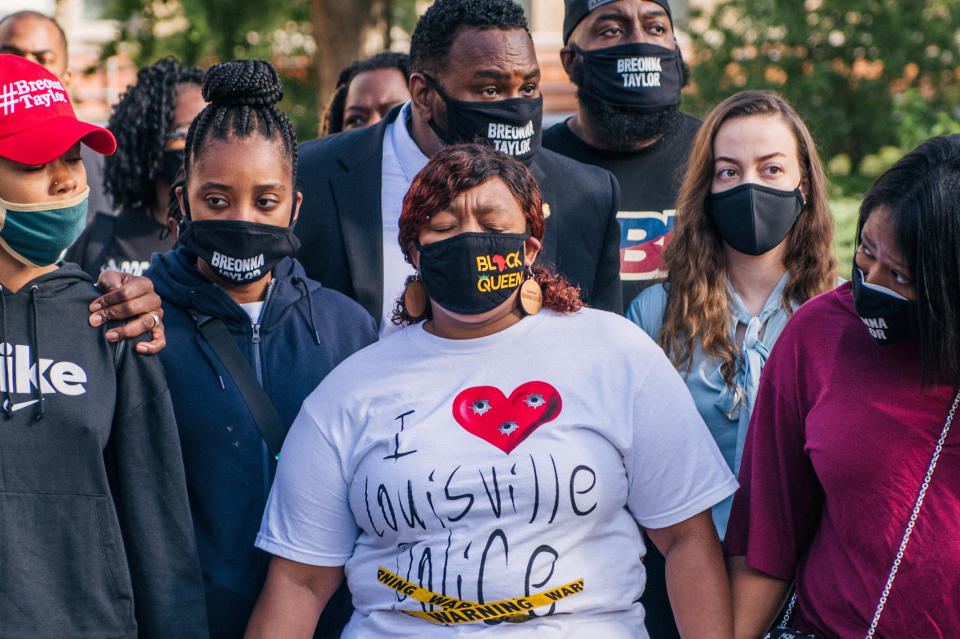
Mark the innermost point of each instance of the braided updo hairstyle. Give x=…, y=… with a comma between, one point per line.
x=140, y=122
x=242, y=96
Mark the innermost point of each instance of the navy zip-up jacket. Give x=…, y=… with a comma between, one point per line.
x=304, y=331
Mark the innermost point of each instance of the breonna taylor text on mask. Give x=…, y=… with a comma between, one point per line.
x=238, y=269
x=509, y=139
x=640, y=72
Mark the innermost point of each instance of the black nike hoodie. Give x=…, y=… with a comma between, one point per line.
x=95, y=532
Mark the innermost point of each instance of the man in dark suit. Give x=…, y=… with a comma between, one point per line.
x=475, y=74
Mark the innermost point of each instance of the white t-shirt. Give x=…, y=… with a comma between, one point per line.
x=494, y=468
x=253, y=309
x=401, y=161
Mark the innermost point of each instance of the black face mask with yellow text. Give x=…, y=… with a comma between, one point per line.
x=472, y=273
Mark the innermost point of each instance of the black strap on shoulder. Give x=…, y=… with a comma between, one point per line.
x=256, y=399
x=119, y=348
x=98, y=243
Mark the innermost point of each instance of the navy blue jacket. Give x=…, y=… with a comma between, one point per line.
x=301, y=337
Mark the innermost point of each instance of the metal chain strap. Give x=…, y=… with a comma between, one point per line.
x=913, y=519
x=788, y=613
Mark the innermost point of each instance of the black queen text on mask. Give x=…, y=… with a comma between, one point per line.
x=472, y=273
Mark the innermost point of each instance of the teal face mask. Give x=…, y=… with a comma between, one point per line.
x=37, y=234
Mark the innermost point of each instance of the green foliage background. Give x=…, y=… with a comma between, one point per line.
x=872, y=78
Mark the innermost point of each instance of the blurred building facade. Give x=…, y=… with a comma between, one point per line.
x=95, y=87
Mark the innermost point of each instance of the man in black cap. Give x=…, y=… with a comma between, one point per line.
x=474, y=75
x=624, y=59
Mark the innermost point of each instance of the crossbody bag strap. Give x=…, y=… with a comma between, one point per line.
x=913, y=517
x=791, y=606
x=258, y=403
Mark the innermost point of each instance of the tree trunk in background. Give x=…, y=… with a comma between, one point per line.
x=339, y=28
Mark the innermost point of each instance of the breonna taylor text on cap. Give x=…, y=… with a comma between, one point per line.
x=27, y=94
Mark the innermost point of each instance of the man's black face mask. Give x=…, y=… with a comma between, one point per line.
x=513, y=126
x=622, y=124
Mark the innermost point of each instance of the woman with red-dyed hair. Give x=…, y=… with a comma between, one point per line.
x=485, y=468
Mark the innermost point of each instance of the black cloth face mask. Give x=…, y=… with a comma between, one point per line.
x=238, y=251
x=638, y=75
x=472, y=273
x=753, y=218
x=513, y=126
x=888, y=316
x=172, y=162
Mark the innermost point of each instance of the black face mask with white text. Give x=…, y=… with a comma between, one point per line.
x=638, y=75
x=888, y=316
x=238, y=252
x=513, y=126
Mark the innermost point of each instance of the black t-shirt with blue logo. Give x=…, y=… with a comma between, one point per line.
x=649, y=181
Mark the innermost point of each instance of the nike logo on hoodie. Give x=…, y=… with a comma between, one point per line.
x=18, y=374
x=12, y=408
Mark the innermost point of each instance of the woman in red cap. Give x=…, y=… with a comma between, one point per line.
x=95, y=530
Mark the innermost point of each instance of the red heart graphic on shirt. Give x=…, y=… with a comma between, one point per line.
x=506, y=421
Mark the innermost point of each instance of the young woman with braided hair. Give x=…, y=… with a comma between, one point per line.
x=150, y=123
x=233, y=273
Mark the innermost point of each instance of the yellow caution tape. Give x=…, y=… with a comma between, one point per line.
x=457, y=611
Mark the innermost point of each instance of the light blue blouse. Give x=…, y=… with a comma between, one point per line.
x=725, y=416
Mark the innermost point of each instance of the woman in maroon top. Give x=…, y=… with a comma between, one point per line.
x=850, y=408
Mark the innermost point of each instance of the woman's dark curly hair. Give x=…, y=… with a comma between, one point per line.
x=139, y=122
x=459, y=168
x=242, y=96
x=332, y=121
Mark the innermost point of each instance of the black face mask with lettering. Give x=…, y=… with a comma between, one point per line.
x=513, y=126
x=237, y=251
x=472, y=273
x=753, y=218
x=890, y=318
x=638, y=75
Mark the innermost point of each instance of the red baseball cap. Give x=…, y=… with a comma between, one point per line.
x=37, y=122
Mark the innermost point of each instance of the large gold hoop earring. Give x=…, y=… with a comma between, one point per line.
x=415, y=298
x=531, y=294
